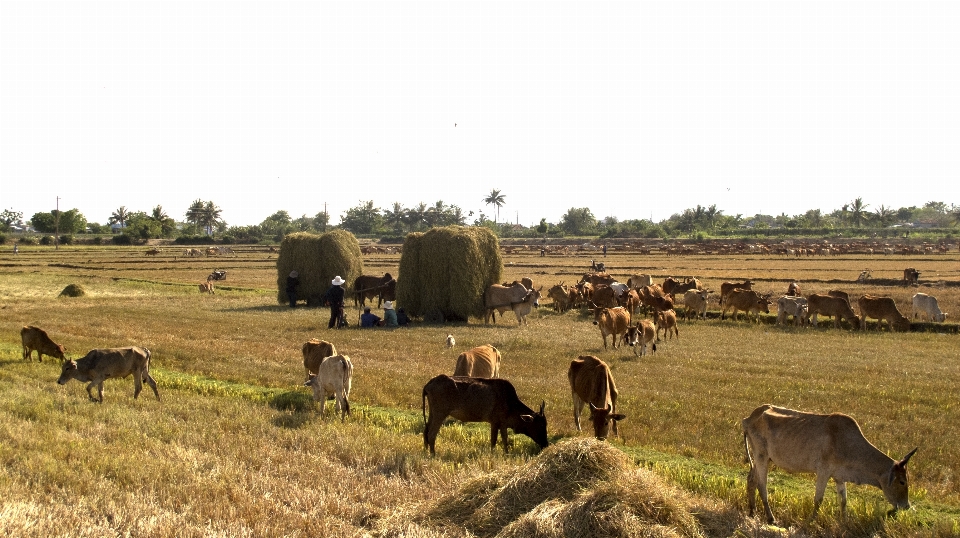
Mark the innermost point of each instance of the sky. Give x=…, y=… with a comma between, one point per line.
x=636, y=110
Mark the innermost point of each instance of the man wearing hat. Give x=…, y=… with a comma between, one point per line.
x=293, y=282
x=369, y=319
x=389, y=314
x=334, y=297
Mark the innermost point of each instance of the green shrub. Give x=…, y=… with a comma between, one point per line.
x=29, y=240
x=66, y=239
x=122, y=239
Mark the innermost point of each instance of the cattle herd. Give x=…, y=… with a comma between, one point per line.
x=830, y=446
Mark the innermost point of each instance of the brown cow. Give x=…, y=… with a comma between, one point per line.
x=882, y=308
x=499, y=298
x=478, y=399
x=35, y=338
x=639, y=334
x=831, y=446
x=911, y=276
x=604, y=297
x=481, y=361
x=560, y=296
x=591, y=382
x=793, y=290
x=597, y=279
x=611, y=321
x=673, y=287
x=727, y=287
x=206, y=287
x=665, y=321
x=831, y=306
x=314, y=351
x=654, y=297
x=746, y=300
x=99, y=365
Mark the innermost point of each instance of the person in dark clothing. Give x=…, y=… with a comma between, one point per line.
x=402, y=318
x=369, y=319
x=334, y=298
x=293, y=282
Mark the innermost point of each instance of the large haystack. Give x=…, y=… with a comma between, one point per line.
x=318, y=258
x=445, y=271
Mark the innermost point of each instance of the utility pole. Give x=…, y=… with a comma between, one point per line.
x=326, y=217
x=56, y=238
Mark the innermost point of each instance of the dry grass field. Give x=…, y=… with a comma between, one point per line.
x=236, y=448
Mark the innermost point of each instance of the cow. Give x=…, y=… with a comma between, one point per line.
x=793, y=290
x=672, y=287
x=604, y=297
x=369, y=287
x=831, y=446
x=598, y=278
x=481, y=361
x=639, y=334
x=654, y=297
x=611, y=321
x=927, y=305
x=102, y=364
x=882, y=308
x=314, y=351
x=478, y=399
x=638, y=281
x=152, y=252
x=560, y=296
x=727, y=287
x=695, y=301
x=840, y=293
x=388, y=292
x=334, y=379
x=591, y=382
x=665, y=321
x=789, y=305
x=828, y=305
x=524, y=307
x=746, y=300
x=911, y=277
x=206, y=287
x=501, y=298
x=630, y=301
x=35, y=338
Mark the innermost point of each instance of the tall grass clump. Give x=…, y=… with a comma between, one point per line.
x=444, y=272
x=318, y=259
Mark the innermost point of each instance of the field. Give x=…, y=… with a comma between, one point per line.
x=236, y=448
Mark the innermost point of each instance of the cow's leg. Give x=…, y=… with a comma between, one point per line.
x=752, y=491
x=759, y=471
x=842, y=493
x=434, y=421
x=494, y=430
x=90, y=394
x=137, y=384
x=153, y=384
x=822, y=478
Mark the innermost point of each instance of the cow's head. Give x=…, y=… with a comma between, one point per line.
x=61, y=351
x=895, y=484
x=311, y=381
x=602, y=418
x=68, y=371
x=535, y=427
x=763, y=301
x=633, y=335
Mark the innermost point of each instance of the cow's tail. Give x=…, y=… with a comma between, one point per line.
x=345, y=384
x=146, y=365
x=423, y=406
x=747, y=457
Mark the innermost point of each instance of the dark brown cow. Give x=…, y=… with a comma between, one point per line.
x=611, y=321
x=911, y=276
x=481, y=361
x=728, y=287
x=654, y=297
x=827, y=305
x=673, y=287
x=35, y=338
x=793, y=290
x=882, y=308
x=478, y=399
x=591, y=382
x=746, y=300
x=499, y=298
x=314, y=351
x=598, y=278
x=99, y=365
x=369, y=287
x=604, y=297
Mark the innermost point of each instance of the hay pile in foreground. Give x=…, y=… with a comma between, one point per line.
x=578, y=487
x=445, y=271
x=318, y=258
x=73, y=290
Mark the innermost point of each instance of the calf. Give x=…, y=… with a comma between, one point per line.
x=35, y=338
x=831, y=446
x=746, y=300
x=793, y=290
x=882, y=308
x=666, y=321
x=611, y=321
x=638, y=335
x=695, y=302
x=334, y=379
x=477, y=399
x=911, y=276
x=524, y=307
x=481, y=361
x=792, y=306
x=99, y=365
x=560, y=296
x=314, y=351
x=591, y=382
x=927, y=305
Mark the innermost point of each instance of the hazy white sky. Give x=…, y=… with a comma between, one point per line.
x=633, y=109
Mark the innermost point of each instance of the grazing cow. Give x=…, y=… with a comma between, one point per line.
x=695, y=302
x=630, y=301
x=314, y=351
x=881, y=308
x=828, y=305
x=478, y=399
x=789, y=305
x=334, y=379
x=604, y=297
x=638, y=281
x=927, y=305
x=727, y=287
x=102, y=364
x=746, y=300
x=451, y=341
x=206, y=287
x=481, y=361
x=639, y=334
x=611, y=321
x=598, y=278
x=911, y=276
x=654, y=297
x=665, y=321
x=152, y=252
x=369, y=287
x=524, y=307
x=793, y=290
x=35, y=338
x=831, y=446
x=591, y=382
x=499, y=298
x=560, y=296
x=672, y=287
x=840, y=293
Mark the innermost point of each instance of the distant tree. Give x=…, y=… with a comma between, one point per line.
x=362, y=219
x=141, y=227
x=813, y=218
x=906, y=214
x=497, y=199
x=395, y=217
x=417, y=216
x=302, y=224
x=858, y=212
x=884, y=215
x=167, y=225
x=937, y=207
x=8, y=217
x=194, y=214
x=320, y=221
x=43, y=222
x=211, y=218
x=543, y=227
x=456, y=216
x=578, y=221
x=120, y=216
x=955, y=214
x=277, y=225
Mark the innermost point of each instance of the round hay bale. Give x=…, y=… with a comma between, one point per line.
x=73, y=290
x=318, y=259
x=447, y=270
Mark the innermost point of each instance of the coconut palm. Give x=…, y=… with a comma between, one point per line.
x=120, y=216
x=858, y=212
x=395, y=217
x=885, y=215
x=194, y=213
x=496, y=199
x=211, y=216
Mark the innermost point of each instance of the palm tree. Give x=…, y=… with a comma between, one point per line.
x=195, y=212
x=858, y=212
x=211, y=216
x=394, y=217
x=435, y=214
x=159, y=214
x=496, y=199
x=120, y=216
x=417, y=216
x=885, y=215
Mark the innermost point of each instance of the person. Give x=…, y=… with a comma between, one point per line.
x=16, y=250
x=334, y=298
x=389, y=314
x=402, y=319
x=369, y=319
x=293, y=282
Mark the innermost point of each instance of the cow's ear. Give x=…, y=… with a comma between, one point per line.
x=903, y=462
x=618, y=416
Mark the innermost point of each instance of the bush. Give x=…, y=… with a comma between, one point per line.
x=66, y=239
x=318, y=259
x=46, y=240
x=194, y=240
x=97, y=240
x=3, y=239
x=122, y=239
x=29, y=240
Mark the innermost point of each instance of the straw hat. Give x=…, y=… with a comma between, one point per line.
x=388, y=305
x=337, y=281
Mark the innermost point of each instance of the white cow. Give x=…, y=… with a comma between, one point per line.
x=789, y=305
x=927, y=305
x=695, y=302
x=334, y=379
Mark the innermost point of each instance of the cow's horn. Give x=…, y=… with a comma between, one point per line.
x=544, y=403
